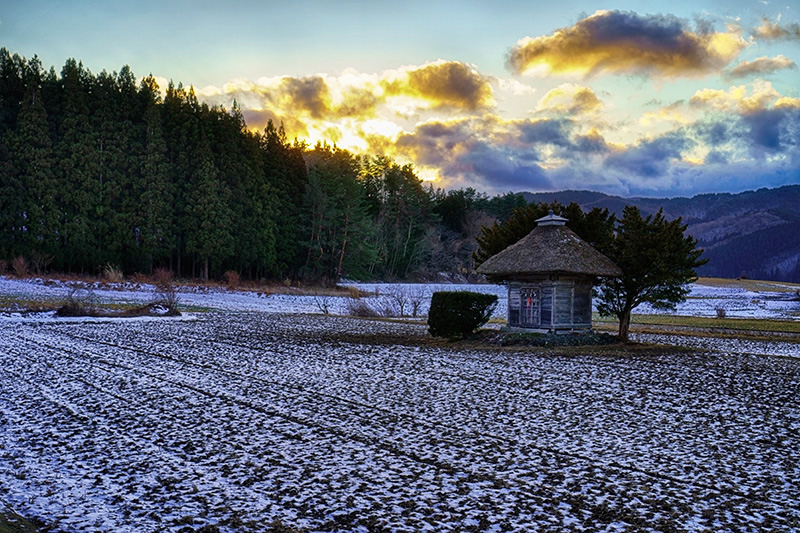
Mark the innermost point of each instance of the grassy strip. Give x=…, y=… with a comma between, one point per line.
x=750, y=284
x=110, y=309
x=754, y=325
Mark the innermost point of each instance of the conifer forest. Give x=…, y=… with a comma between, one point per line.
x=100, y=169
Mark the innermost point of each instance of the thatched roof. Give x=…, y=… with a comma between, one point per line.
x=550, y=248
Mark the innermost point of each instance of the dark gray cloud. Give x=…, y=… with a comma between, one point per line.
x=506, y=169
x=549, y=154
x=716, y=158
x=545, y=132
x=774, y=130
x=650, y=159
x=718, y=132
x=591, y=143
x=462, y=154
x=761, y=133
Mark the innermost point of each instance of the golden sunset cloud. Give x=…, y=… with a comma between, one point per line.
x=786, y=102
x=760, y=66
x=670, y=114
x=618, y=42
x=443, y=84
x=743, y=99
x=772, y=30
x=304, y=95
x=570, y=99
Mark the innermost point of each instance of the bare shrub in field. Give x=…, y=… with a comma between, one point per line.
x=140, y=278
x=361, y=308
x=20, y=267
x=416, y=296
x=40, y=262
x=231, y=278
x=323, y=303
x=399, y=298
x=721, y=312
x=79, y=302
x=167, y=294
x=405, y=299
x=112, y=273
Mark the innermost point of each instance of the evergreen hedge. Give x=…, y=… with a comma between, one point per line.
x=457, y=314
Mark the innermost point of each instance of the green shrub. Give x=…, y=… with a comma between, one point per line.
x=456, y=315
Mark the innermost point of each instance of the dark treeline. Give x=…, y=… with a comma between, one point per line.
x=99, y=170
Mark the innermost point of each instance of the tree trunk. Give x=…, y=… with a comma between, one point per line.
x=205, y=269
x=341, y=253
x=624, y=325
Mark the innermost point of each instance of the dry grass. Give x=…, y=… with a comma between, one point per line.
x=750, y=284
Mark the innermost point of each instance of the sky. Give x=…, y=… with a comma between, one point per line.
x=633, y=98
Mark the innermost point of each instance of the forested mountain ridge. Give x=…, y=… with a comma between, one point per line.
x=754, y=233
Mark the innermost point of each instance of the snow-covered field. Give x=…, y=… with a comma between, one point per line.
x=702, y=301
x=234, y=419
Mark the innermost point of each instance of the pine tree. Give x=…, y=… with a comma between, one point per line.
x=152, y=192
x=658, y=262
x=286, y=171
x=182, y=133
x=32, y=156
x=79, y=167
x=208, y=220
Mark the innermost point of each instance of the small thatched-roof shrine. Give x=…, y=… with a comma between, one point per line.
x=549, y=273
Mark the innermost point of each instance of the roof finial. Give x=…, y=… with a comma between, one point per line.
x=551, y=220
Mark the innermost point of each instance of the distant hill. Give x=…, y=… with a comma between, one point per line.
x=753, y=234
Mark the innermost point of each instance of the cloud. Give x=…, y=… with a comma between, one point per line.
x=515, y=87
x=717, y=133
x=316, y=106
x=741, y=99
x=443, y=84
x=775, y=131
x=772, y=31
x=442, y=118
x=482, y=152
x=672, y=114
x=651, y=158
x=751, y=122
x=553, y=132
x=760, y=66
x=496, y=154
x=310, y=95
x=569, y=99
x=591, y=143
x=618, y=42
